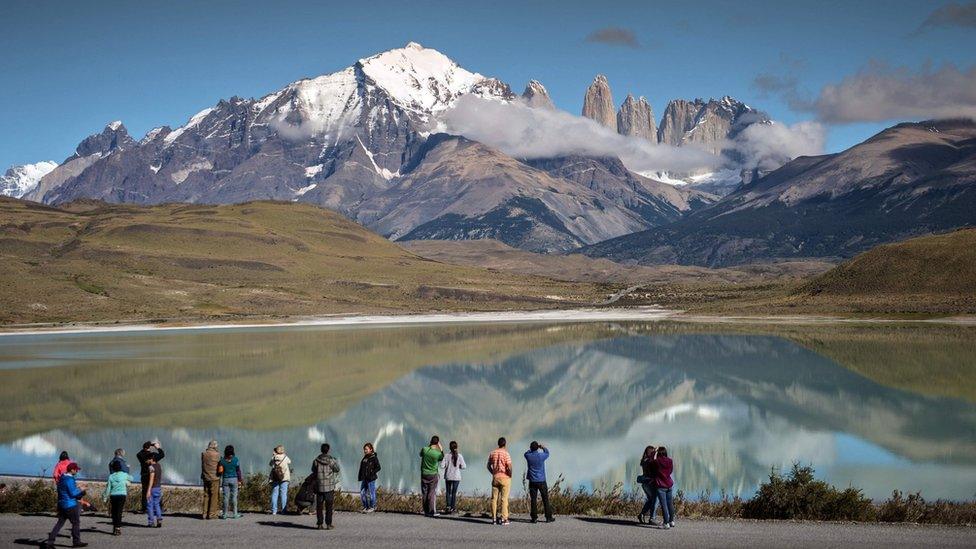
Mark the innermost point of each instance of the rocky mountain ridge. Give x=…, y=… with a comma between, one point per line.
x=362, y=141
x=908, y=180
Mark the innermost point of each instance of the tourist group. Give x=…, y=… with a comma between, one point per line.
x=220, y=473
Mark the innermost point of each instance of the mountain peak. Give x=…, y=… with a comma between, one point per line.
x=598, y=103
x=536, y=95
x=114, y=125
x=413, y=46
x=20, y=180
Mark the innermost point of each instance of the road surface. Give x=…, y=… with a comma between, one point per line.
x=399, y=531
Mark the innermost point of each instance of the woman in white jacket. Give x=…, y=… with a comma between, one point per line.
x=452, y=464
x=279, y=477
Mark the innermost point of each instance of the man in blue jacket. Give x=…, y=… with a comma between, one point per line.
x=68, y=507
x=536, y=475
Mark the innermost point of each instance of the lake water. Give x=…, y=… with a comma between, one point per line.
x=878, y=407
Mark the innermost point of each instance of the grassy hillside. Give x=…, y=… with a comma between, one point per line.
x=928, y=273
x=577, y=267
x=96, y=262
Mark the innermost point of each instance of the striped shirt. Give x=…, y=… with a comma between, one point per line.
x=500, y=463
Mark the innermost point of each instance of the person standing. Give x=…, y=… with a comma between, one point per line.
x=154, y=508
x=648, y=483
x=280, y=477
x=430, y=460
x=369, y=466
x=116, y=490
x=61, y=467
x=452, y=475
x=535, y=459
x=230, y=481
x=209, y=460
x=500, y=467
x=119, y=459
x=326, y=471
x=663, y=469
x=69, y=509
x=149, y=448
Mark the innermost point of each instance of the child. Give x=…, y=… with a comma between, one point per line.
x=116, y=489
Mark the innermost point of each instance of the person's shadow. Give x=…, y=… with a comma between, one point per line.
x=282, y=524
x=613, y=521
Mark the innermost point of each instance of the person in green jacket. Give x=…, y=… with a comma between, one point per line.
x=430, y=462
x=116, y=489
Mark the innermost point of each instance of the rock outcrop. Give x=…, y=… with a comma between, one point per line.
x=706, y=124
x=536, y=95
x=598, y=103
x=637, y=119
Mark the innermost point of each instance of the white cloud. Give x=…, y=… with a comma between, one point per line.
x=525, y=132
x=769, y=146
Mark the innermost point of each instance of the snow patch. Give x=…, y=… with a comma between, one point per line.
x=180, y=176
x=305, y=189
x=194, y=120
x=312, y=171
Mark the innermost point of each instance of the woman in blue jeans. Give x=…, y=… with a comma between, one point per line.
x=369, y=466
x=229, y=469
x=280, y=477
x=648, y=484
x=664, y=467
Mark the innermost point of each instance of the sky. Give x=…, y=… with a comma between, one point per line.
x=69, y=68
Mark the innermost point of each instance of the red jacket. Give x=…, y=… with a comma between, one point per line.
x=663, y=472
x=61, y=468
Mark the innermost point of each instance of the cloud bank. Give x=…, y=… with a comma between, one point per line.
x=614, y=36
x=878, y=93
x=525, y=132
x=769, y=146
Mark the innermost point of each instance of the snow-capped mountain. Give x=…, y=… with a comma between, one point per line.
x=359, y=141
x=20, y=180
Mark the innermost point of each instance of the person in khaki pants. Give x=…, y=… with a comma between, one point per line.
x=500, y=467
x=211, y=480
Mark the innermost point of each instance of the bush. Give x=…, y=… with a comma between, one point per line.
x=36, y=496
x=902, y=509
x=800, y=496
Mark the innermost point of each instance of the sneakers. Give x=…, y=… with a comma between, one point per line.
x=550, y=519
x=666, y=526
x=505, y=522
x=671, y=524
x=159, y=524
x=640, y=518
x=330, y=527
x=370, y=510
x=116, y=531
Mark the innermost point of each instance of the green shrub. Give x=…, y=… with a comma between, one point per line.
x=800, y=496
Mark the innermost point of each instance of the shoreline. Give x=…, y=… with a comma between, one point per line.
x=555, y=316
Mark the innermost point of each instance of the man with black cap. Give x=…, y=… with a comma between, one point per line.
x=149, y=448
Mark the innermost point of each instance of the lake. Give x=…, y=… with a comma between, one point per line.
x=881, y=407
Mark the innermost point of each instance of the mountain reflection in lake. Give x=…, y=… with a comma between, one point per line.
x=728, y=405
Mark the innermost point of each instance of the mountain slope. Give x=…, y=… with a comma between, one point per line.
x=359, y=141
x=908, y=180
x=125, y=262
x=928, y=272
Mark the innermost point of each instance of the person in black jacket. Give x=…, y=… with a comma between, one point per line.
x=646, y=479
x=369, y=466
x=149, y=449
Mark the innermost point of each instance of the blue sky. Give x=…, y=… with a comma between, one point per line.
x=69, y=68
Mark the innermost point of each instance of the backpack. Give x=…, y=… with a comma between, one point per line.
x=277, y=472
